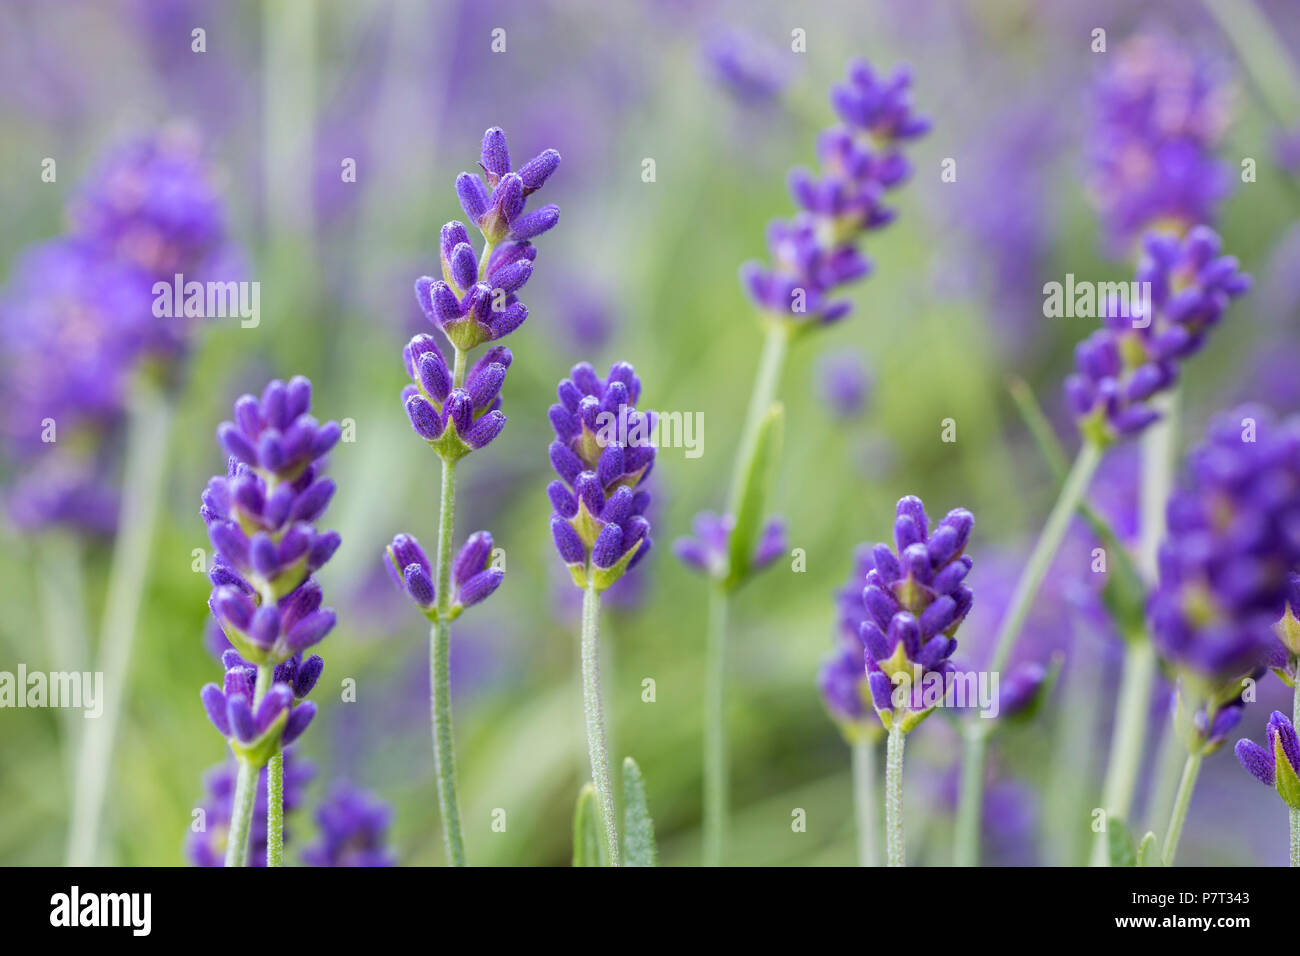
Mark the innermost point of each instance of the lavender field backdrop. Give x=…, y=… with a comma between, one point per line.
x=311, y=152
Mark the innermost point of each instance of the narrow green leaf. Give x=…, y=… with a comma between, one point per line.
x=753, y=494
x=586, y=833
x=1147, y=855
x=1123, y=595
x=1120, y=843
x=638, y=828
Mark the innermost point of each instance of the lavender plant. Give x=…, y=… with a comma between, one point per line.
x=603, y=454
x=914, y=600
x=1124, y=373
x=813, y=257
x=1225, y=579
x=260, y=520
x=457, y=410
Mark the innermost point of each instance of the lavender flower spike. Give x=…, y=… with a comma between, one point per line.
x=816, y=253
x=261, y=518
x=603, y=452
x=1121, y=366
x=1224, y=564
x=915, y=598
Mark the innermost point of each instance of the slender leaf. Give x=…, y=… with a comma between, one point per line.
x=1120, y=843
x=1147, y=855
x=638, y=829
x=586, y=833
x=753, y=494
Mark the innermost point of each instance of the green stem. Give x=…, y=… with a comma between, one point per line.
x=275, y=811
x=597, y=747
x=1127, y=739
x=715, y=729
x=895, y=853
x=716, y=800
x=1040, y=559
x=1022, y=598
x=444, y=744
x=241, y=812
x=864, y=803
x=241, y=815
x=1169, y=764
x=1295, y=813
x=1184, y=799
x=58, y=559
x=146, y=447
x=970, y=804
x=444, y=738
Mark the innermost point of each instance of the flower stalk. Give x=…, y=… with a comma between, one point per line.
x=593, y=706
x=896, y=854
x=864, y=803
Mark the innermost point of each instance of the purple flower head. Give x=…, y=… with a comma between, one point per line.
x=261, y=519
x=878, y=106
x=816, y=253
x=473, y=576
x=1161, y=111
x=743, y=65
x=1278, y=764
x=844, y=384
x=255, y=731
x=1232, y=538
x=353, y=830
x=206, y=846
x=1136, y=355
x=603, y=451
x=842, y=681
x=153, y=202
x=707, y=550
x=475, y=301
x=915, y=599
x=454, y=421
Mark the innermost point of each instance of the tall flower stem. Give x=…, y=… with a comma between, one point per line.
x=597, y=747
x=716, y=798
x=1139, y=668
x=864, y=803
x=1295, y=814
x=895, y=852
x=967, y=847
x=444, y=741
x=241, y=811
x=275, y=811
x=58, y=561
x=146, y=453
x=715, y=729
x=1127, y=738
x=1184, y=799
x=241, y=815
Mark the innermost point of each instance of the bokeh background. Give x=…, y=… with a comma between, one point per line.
x=644, y=272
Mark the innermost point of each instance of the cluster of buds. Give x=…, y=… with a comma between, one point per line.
x=915, y=600
x=454, y=421
x=473, y=578
x=603, y=452
x=1136, y=355
x=816, y=253
x=1278, y=764
x=707, y=551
